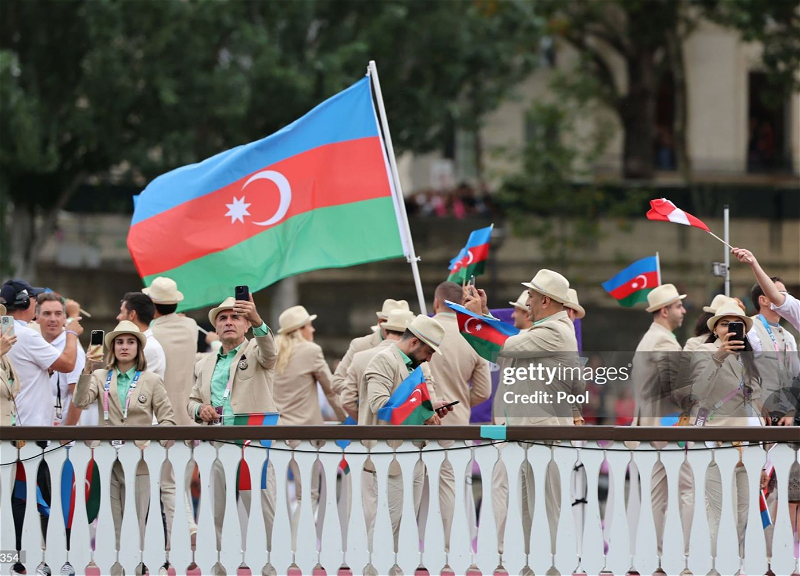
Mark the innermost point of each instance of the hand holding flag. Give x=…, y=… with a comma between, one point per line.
x=486, y=335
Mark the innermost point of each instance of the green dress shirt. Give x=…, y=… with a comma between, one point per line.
x=124, y=381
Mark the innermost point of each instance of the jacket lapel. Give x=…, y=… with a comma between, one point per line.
x=206, y=375
x=235, y=364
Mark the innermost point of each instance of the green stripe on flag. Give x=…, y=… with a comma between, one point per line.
x=635, y=298
x=333, y=237
x=485, y=349
x=463, y=274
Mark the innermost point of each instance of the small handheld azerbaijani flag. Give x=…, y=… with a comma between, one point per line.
x=471, y=260
x=634, y=283
x=410, y=404
x=665, y=211
x=485, y=335
x=763, y=507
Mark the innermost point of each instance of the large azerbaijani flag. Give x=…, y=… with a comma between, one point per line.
x=471, y=260
x=634, y=283
x=410, y=404
x=316, y=194
x=486, y=335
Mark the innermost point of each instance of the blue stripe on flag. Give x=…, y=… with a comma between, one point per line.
x=401, y=394
x=643, y=266
x=499, y=325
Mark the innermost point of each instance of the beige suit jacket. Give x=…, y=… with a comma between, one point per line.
x=552, y=345
x=9, y=388
x=455, y=368
x=178, y=336
x=694, y=343
x=295, y=389
x=384, y=373
x=356, y=345
x=354, y=389
x=251, y=388
x=147, y=400
x=712, y=383
x=654, y=375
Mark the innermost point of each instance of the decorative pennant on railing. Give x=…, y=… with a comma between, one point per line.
x=633, y=506
x=579, y=492
x=192, y=490
x=68, y=507
x=605, y=502
x=167, y=499
x=369, y=506
x=93, y=489
x=421, y=492
x=43, y=500
x=19, y=500
x=659, y=499
x=713, y=493
x=552, y=504
x=294, y=499
x=686, y=496
x=741, y=506
x=117, y=496
x=394, y=496
x=268, y=496
x=319, y=498
x=344, y=502
x=794, y=509
x=447, y=498
x=218, y=496
x=527, y=499
x=243, y=498
x=141, y=492
x=500, y=506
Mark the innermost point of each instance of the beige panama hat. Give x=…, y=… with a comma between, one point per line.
x=227, y=304
x=574, y=304
x=718, y=301
x=428, y=330
x=125, y=327
x=293, y=318
x=663, y=295
x=389, y=305
x=2, y=310
x=164, y=290
x=522, y=301
x=730, y=309
x=398, y=320
x=550, y=284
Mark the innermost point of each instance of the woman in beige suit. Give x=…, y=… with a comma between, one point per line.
x=301, y=364
x=9, y=383
x=726, y=384
x=126, y=393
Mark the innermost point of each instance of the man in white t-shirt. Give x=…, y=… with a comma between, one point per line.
x=786, y=305
x=33, y=358
x=51, y=316
x=137, y=307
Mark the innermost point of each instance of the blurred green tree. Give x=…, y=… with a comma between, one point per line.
x=92, y=92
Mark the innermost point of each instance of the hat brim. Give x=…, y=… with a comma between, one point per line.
x=517, y=305
x=109, y=339
x=667, y=303
x=535, y=288
x=748, y=322
x=708, y=309
x=212, y=315
x=424, y=339
x=178, y=296
x=295, y=326
x=579, y=311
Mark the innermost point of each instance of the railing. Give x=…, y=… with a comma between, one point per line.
x=459, y=501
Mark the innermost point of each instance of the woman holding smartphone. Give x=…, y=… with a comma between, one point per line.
x=126, y=393
x=725, y=381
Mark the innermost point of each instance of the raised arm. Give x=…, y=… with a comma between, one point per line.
x=766, y=283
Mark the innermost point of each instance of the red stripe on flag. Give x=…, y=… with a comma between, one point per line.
x=479, y=254
x=635, y=284
x=402, y=412
x=331, y=175
x=480, y=329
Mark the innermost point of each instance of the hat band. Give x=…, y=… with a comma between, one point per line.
x=417, y=332
x=543, y=291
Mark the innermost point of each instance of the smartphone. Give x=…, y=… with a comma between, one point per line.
x=242, y=293
x=7, y=326
x=448, y=405
x=97, y=338
x=737, y=331
x=471, y=283
x=702, y=417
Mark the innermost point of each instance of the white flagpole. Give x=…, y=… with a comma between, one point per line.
x=400, y=205
x=727, y=251
x=658, y=268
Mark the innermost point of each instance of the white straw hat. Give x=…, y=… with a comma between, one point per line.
x=663, y=295
x=227, y=304
x=398, y=320
x=293, y=318
x=730, y=309
x=550, y=284
x=522, y=301
x=718, y=301
x=389, y=305
x=164, y=290
x=125, y=327
x=428, y=330
x=574, y=304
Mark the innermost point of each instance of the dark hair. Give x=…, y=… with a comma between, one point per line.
x=408, y=335
x=449, y=291
x=701, y=327
x=393, y=332
x=748, y=361
x=165, y=309
x=50, y=297
x=757, y=292
x=142, y=304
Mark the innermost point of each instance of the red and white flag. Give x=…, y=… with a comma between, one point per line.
x=665, y=211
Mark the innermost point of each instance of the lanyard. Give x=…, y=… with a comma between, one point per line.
x=230, y=382
x=768, y=328
x=127, y=399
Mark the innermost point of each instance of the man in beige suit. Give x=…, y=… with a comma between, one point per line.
x=549, y=344
x=657, y=360
x=522, y=321
x=458, y=365
x=178, y=337
x=239, y=378
x=354, y=389
x=365, y=342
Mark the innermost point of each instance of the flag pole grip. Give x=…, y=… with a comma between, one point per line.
x=397, y=189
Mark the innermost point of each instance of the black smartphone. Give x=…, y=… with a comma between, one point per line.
x=242, y=293
x=471, y=283
x=97, y=338
x=737, y=331
x=448, y=405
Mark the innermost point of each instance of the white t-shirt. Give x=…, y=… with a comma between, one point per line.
x=32, y=356
x=154, y=354
x=790, y=309
x=62, y=380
